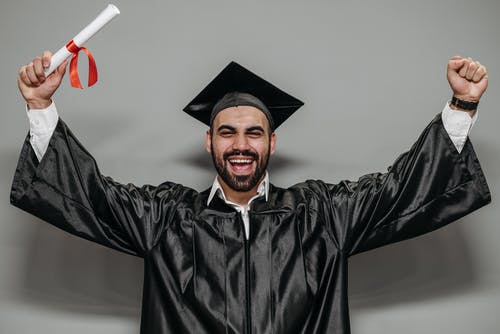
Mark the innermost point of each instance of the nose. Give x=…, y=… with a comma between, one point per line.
x=241, y=143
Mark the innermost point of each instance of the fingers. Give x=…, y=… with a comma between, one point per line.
x=480, y=73
x=46, y=58
x=38, y=69
x=33, y=74
x=456, y=63
x=23, y=76
x=30, y=72
x=471, y=70
x=467, y=68
x=463, y=70
x=62, y=68
x=467, y=78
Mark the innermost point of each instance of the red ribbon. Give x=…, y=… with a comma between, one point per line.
x=73, y=66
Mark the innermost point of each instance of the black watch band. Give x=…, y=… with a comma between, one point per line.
x=462, y=104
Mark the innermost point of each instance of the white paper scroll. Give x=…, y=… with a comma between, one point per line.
x=83, y=36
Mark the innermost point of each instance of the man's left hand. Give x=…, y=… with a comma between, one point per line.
x=468, y=78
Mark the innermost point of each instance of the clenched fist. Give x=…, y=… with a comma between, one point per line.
x=468, y=78
x=37, y=89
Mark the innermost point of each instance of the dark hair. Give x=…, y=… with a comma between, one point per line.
x=234, y=99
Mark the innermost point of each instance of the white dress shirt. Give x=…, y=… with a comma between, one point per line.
x=44, y=121
x=262, y=190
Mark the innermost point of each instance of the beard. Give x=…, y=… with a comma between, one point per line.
x=241, y=183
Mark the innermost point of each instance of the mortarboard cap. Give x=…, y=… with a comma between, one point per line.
x=236, y=78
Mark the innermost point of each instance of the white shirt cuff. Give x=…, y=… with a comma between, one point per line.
x=43, y=121
x=458, y=124
x=42, y=124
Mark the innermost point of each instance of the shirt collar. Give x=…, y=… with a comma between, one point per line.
x=262, y=190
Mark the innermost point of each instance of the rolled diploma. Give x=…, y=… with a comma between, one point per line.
x=83, y=36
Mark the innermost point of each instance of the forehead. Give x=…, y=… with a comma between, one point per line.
x=241, y=116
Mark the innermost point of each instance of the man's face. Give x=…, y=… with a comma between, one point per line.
x=240, y=145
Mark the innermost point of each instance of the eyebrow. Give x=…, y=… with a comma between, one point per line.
x=226, y=127
x=232, y=128
x=255, y=128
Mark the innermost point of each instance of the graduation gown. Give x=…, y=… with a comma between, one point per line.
x=290, y=276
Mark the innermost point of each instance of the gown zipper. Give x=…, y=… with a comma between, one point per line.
x=247, y=278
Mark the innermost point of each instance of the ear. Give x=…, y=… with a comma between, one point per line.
x=208, y=142
x=273, y=143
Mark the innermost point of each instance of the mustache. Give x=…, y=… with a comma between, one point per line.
x=248, y=153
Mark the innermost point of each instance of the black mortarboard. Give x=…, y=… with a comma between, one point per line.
x=236, y=78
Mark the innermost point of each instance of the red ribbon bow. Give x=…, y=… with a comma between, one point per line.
x=73, y=66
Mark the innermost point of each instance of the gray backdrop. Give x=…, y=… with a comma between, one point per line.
x=372, y=75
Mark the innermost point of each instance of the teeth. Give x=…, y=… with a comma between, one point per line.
x=240, y=161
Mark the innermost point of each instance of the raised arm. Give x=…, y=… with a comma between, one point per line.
x=64, y=187
x=37, y=90
x=426, y=188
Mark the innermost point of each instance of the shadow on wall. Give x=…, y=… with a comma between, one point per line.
x=430, y=266
x=69, y=273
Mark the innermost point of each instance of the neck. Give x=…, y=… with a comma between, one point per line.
x=239, y=197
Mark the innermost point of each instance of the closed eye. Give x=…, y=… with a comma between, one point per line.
x=226, y=133
x=255, y=134
x=255, y=131
x=226, y=130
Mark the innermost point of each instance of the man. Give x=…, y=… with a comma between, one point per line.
x=246, y=256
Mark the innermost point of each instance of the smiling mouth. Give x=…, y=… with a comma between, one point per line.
x=241, y=165
x=240, y=161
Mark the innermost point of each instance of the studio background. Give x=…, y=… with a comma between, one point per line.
x=372, y=75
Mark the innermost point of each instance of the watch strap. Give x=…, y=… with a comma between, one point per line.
x=463, y=104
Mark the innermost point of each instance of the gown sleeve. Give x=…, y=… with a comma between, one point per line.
x=67, y=190
x=426, y=188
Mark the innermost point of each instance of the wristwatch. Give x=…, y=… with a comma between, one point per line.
x=463, y=104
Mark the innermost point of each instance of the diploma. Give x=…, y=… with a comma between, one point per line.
x=76, y=44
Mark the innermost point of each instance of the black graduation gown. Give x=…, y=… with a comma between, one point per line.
x=202, y=276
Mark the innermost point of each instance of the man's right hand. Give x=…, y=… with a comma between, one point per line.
x=35, y=88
